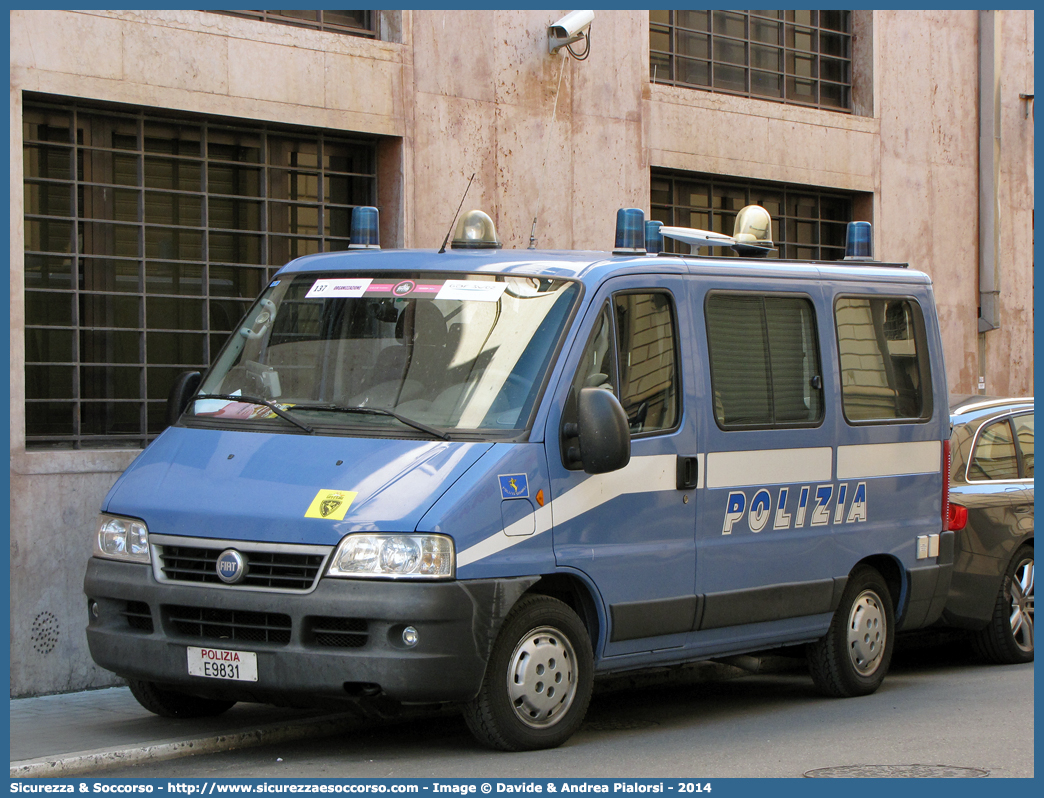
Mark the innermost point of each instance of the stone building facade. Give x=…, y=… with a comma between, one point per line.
x=163, y=162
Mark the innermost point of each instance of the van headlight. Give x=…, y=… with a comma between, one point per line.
x=122, y=539
x=394, y=557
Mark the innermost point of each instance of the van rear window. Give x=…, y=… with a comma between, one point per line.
x=764, y=361
x=884, y=368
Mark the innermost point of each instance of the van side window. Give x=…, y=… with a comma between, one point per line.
x=884, y=368
x=648, y=374
x=597, y=366
x=641, y=369
x=764, y=361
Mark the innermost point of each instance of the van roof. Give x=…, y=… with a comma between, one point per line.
x=592, y=267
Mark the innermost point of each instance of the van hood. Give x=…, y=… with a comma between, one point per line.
x=256, y=486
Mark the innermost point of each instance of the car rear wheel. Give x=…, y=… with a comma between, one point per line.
x=538, y=681
x=852, y=658
x=172, y=704
x=1008, y=639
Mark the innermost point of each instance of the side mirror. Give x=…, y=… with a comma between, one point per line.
x=603, y=433
x=184, y=388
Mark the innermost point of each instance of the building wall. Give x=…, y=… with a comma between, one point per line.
x=455, y=93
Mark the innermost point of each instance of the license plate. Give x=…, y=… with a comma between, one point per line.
x=222, y=663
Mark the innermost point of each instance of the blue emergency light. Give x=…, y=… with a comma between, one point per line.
x=630, y=231
x=859, y=241
x=365, y=233
x=653, y=237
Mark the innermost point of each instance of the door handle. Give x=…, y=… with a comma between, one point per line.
x=688, y=472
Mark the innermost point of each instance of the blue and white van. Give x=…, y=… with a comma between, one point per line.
x=489, y=477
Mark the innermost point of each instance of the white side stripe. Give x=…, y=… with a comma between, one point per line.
x=500, y=541
x=640, y=475
x=769, y=467
x=889, y=459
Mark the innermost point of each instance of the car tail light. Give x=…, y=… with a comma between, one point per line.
x=958, y=518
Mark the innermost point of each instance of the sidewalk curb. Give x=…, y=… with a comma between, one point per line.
x=79, y=763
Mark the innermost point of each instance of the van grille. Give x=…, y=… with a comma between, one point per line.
x=339, y=632
x=220, y=625
x=265, y=569
x=138, y=615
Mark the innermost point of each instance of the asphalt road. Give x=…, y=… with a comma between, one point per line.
x=939, y=706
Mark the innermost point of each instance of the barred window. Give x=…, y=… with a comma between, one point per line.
x=353, y=23
x=807, y=223
x=146, y=238
x=802, y=57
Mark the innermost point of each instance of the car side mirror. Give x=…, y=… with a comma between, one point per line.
x=184, y=388
x=604, y=436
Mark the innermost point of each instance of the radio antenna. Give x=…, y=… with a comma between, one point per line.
x=450, y=231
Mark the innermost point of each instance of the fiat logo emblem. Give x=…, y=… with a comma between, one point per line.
x=231, y=567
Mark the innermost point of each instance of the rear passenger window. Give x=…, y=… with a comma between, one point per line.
x=884, y=363
x=764, y=361
x=1024, y=436
x=994, y=456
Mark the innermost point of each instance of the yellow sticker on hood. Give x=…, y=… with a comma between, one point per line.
x=330, y=504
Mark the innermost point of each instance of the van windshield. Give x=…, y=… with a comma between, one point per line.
x=420, y=354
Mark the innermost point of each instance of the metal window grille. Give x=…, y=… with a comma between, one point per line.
x=353, y=23
x=146, y=238
x=799, y=57
x=807, y=223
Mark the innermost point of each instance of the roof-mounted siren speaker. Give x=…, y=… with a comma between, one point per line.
x=859, y=241
x=365, y=232
x=630, y=232
x=752, y=232
x=653, y=237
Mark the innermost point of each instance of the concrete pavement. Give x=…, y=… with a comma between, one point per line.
x=82, y=733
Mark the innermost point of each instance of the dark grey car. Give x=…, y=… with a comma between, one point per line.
x=991, y=513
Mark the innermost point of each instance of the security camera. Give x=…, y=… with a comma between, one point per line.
x=569, y=29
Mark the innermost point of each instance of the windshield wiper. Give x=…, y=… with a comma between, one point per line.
x=256, y=400
x=380, y=411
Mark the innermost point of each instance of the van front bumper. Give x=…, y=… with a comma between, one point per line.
x=341, y=640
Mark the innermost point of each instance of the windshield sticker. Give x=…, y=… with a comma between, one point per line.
x=514, y=486
x=330, y=504
x=338, y=287
x=461, y=290
x=403, y=288
x=479, y=291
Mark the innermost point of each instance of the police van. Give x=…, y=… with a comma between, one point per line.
x=489, y=477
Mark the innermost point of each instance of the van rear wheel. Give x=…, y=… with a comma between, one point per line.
x=538, y=680
x=172, y=704
x=852, y=658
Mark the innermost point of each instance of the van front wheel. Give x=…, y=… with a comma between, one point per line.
x=853, y=657
x=538, y=680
